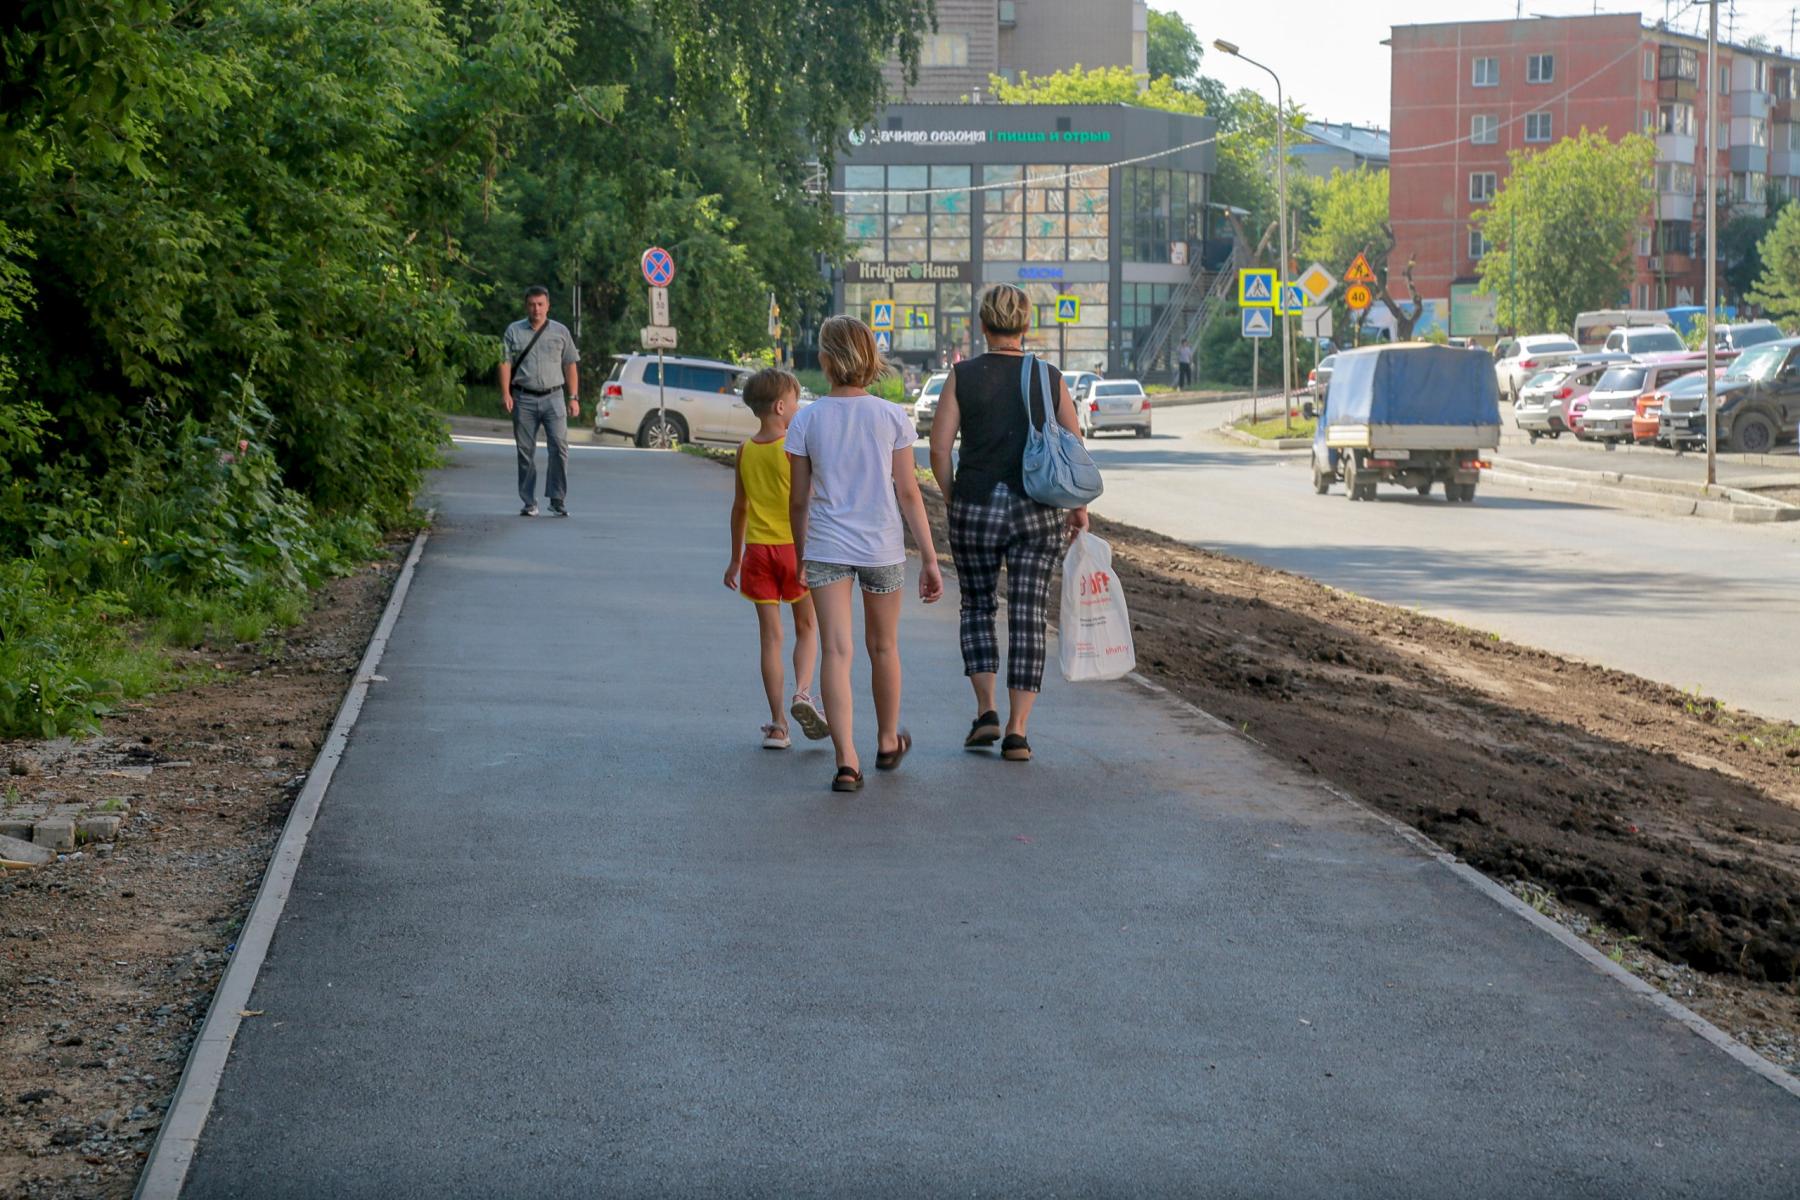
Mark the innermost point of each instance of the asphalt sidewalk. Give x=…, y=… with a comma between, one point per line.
x=563, y=930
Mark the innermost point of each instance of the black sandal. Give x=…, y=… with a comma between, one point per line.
x=1015, y=748
x=887, y=760
x=847, y=779
x=984, y=732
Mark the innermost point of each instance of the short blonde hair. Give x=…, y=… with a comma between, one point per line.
x=848, y=354
x=1005, y=309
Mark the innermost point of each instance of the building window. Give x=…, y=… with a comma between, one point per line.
x=1161, y=209
x=1649, y=64
x=1484, y=130
x=944, y=50
x=1481, y=186
x=1724, y=79
x=1486, y=72
x=1675, y=237
x=1540, y=68
x=1793, y=136
x=1676, y=179
x=1643, y=295
x=1478, y=245
x=1679, y=63
x=1759, y=132
x=883, y=226
x=1643, y=243
x=1537, y=127
x=1749, y=187
x=1675, y=118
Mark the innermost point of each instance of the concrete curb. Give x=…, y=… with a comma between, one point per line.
x=1250, y=439
x=166, y=1170
x=1656, y=998
x=1642, y=493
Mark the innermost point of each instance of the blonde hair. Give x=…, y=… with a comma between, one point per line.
x=1005, y=310
x=848, y=354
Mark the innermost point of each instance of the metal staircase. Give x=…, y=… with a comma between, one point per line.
x=1188, y=310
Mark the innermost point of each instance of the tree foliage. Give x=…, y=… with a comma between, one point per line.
x=1778, y=288
x=1561, y=230
x=1172, y=49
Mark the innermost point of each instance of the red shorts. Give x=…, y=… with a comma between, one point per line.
x=771, y=575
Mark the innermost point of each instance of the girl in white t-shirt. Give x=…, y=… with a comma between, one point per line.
x=853, y=486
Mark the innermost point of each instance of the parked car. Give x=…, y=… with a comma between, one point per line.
x=1759, y=401
x=702, y=401
x=1612, y=405
x=1745, y=334
x=1549, y=408
x=1115, y=404
x=925, y=404
x=1319, y=378
x=1645, y=339
x=1518, y=359
x=1686, y=395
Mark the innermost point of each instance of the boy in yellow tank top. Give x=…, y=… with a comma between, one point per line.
x=763, y=568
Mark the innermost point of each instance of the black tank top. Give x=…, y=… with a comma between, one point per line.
x=993, y=422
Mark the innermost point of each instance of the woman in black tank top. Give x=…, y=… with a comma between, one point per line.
x=993, y=523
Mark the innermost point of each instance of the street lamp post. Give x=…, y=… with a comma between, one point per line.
x=1287, y=348
x=1711, y=134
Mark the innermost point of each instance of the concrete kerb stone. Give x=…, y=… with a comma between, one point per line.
x=1250, y=439
x=17, y=852
x=1642, y=493
x=1651, y=995
x=173, y=1153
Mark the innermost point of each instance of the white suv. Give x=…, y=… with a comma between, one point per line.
x=703, y=401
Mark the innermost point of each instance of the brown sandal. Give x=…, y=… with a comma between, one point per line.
x=887, y=760
x=847, y=779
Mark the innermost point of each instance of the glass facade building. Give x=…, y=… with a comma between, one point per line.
x=940, y=201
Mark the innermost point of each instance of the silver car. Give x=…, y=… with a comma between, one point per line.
x=1115, y=404
x=1531, y=412
x=925, y=406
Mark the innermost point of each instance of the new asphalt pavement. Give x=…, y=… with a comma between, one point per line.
x=563, y=929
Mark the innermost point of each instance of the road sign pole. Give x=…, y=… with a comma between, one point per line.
x=1255, y=375
x=662, y=411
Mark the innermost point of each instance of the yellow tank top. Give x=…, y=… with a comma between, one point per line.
x=763, y=466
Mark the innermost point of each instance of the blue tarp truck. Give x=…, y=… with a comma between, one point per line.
x=1412, y=415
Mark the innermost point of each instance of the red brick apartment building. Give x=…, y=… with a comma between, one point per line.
x=1466, y=94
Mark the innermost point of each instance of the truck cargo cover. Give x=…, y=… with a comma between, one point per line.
x=1413, y=384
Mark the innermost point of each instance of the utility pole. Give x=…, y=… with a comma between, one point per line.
x=1712, y=238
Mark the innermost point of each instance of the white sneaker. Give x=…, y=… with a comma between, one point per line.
x=812, y=721
x=775, y=738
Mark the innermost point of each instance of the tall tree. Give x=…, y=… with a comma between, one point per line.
x=1172, y=49
x=1561, y=229
x=1778, y=290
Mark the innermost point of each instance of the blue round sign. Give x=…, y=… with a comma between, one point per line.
x=659, y=267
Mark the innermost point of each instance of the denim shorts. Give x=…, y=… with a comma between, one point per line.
x=877, y=581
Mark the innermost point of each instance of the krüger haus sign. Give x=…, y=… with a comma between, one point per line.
x=858, y=271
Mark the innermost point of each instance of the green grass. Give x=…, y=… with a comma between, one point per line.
x=1277, y=427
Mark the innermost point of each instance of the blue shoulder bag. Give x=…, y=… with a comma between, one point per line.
x=1058, y=470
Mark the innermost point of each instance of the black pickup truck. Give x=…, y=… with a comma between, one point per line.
x=1759, y=402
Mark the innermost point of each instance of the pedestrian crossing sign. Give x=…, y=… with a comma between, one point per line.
x=884, y=340
x=1257, y=322
x=1293, y=299
x=1256, y=288
x=1068, y=310
x=881, y=314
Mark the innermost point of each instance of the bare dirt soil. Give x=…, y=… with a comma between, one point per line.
x=109, y=958
x=1660, y=824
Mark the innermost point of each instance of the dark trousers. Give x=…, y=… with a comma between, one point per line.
x=530, y=414
x=1026, y=538
x=1184, y=375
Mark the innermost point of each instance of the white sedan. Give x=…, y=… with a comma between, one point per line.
x=1115, y=404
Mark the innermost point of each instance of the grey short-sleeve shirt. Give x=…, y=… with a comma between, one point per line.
x=543, y=367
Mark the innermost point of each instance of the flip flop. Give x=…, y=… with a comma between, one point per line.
x=887, y=760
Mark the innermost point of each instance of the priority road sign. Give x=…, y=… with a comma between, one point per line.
x=1358, y=297
x=1359, y=271
x=1257, y=323
x=659, y=267
x=1317, y=282
x=884, y=340
x=1256, y=287
x=881, y=314
x=1068, y=310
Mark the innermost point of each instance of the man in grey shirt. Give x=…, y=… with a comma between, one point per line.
x=536, y=376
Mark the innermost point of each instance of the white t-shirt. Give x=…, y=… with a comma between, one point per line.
x=853, y=517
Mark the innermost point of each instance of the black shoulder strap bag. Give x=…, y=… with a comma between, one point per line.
x=527, y=350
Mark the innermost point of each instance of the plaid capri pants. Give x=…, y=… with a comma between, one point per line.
x=1025, y=536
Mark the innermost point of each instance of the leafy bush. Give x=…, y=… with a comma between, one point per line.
x=62, y=663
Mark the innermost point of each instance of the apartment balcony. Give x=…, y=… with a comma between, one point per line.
x=1676, y=88
x=1753, y=160
x=1782, y=159
x=1751, y=104
x=1782, y=109
x=1674, y=206
x=1675, y=148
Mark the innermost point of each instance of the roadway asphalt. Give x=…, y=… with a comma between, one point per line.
x=1689, y=602
x=563, y=930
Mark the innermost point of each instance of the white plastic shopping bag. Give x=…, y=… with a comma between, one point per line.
x=1096, y=630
